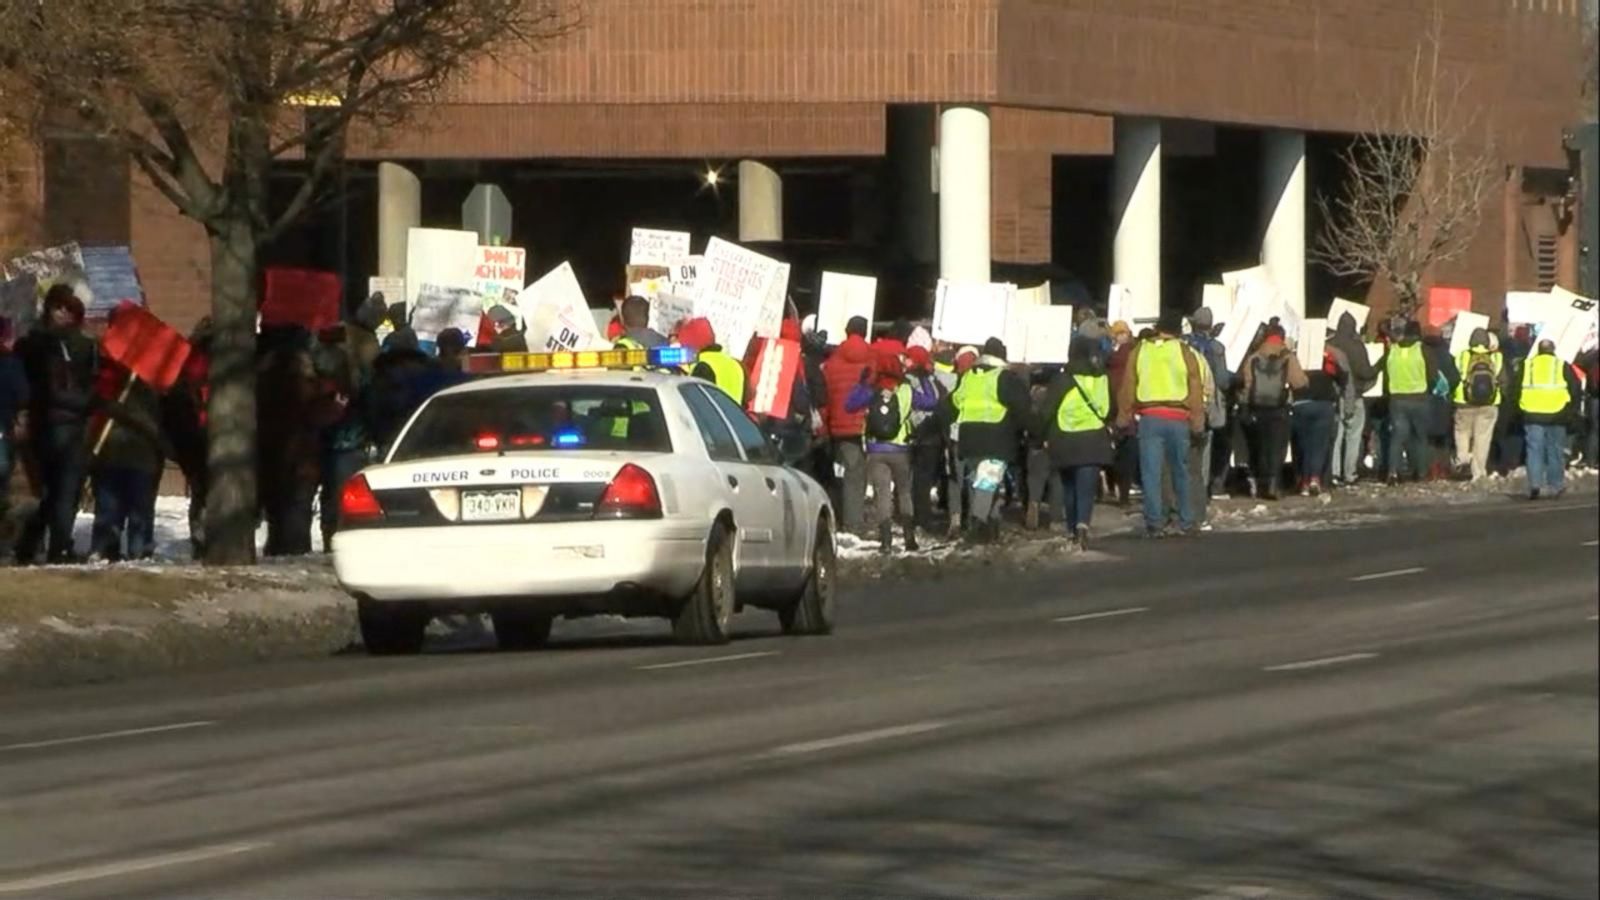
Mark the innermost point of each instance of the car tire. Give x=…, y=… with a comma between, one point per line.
x=706, y=616
x=520, y=630
x=812, y=611
x=391, y=629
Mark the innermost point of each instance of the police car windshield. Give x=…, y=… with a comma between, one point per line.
x=553, y=418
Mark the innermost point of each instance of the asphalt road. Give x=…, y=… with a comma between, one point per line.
x=1403, y=711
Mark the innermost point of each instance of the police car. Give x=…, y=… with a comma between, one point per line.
x=578, y=484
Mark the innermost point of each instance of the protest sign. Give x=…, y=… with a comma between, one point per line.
x=1251, y=310
x=971, y=312
x=1571, y=324
x=1019, y=316
x=500, y=269
x=776, y=364
x=842, y=298
x=684, y=272
x=19, y=302
x=439, y=307
x=305, y=297
x=1119, y=301
x=650, y=288
x=56, y=265
x=1445, y=302
x=1239, y=276
x=1219, y=299
x=441, y=257
x=667, y=311
x=1049, y=335
x=652, y=247
x=145, y=346
x=1465, y=324
x=558, y=316
x=1313, y=341
x=112, y=278
x=1374, y=355
x=1526, y=307
x=770, y=322
x=393, y=290
x=1360, y=311
x=734, y=291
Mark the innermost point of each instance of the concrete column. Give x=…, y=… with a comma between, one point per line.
x=964, y=246
x=760, y=202
x=1283, y=244
x=399, y=209
x=913, y=140
x=1136, y=209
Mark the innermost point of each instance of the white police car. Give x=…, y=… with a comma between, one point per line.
x=574, y=484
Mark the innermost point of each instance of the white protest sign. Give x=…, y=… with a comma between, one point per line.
x=733, y=290
x=649, y=288
x=1574, y=327
x=770, y=323
x=112, y=278
x=1255, y=273
x=557, y=315
x=1313, y=341
x=668, y=310
x=500, y=269
x=1049, y=334
x=56, y=265
x=971, y=312
x=1340, y=306
x=1527, y=307
x=1219, y=299
x=392, y=289
x=1465, y=324
x=842, y=298
x=684, y=272
x=1250, y=312
x=653, y=247
x=1374, y=354
x=440, y=307
x=1019, y=318
x=1118, y=301
x=441, y=257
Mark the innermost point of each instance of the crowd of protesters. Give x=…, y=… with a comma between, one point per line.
x=943, y=440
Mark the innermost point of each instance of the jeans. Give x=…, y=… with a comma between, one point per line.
x=1408, y=434
x=62, y=453
x=1199, y=497
x=124, y=507
x=1474, y=435
x=1079, y=485
x=1313, y=435
x=338, y=467
x=1044, y=482
x=889, y=473
x=1347, y=441
x=1164, y=446
x=849, y=454
x=927, y=468
x=1547, y=447
x=1268, y=434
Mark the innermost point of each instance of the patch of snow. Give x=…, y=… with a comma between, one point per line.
x=171, y=527
x=62, y=626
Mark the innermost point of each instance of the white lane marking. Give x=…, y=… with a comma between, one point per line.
x=125, y=867
x=1535, y=510
x=1105, y=614
x=1237, y=892
x=860, y=737
x=1375, y=576
x=1595, y=618
x=108, y=735
x=706, y=662
x=1590, y=544
x=1320, y=663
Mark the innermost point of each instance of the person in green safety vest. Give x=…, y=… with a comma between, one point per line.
x=712, y=363
x=888, y=399
x=1076, y=422
x=1549, y=389
x=1477, y=403
x=991, y=407
x=1410, y=372
x=1162, y=394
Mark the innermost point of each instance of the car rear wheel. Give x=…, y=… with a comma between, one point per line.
x=391, y=629
x=812, y=611
x=705, y=617
x=520, y=630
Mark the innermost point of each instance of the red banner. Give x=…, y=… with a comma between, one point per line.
x=146, y=346
x=1445, y=302
x=305, y=297
x=776, y=365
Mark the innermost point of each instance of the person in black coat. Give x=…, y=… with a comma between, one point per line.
x=1082, y=449
x=60, y=361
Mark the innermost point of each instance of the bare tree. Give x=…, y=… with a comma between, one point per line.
x=1415, y=183
x=205, y=95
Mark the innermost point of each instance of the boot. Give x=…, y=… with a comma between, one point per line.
x=1081, y=537
x=885, y=538
x=955, y=526
x=911, y=537
x=1030, y=518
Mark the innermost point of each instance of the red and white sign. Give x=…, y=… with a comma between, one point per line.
x=777, y=363
x=500, y=269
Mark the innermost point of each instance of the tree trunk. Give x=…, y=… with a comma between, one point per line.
x=231, y=505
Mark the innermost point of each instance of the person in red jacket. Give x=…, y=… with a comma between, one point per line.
x=843, y=371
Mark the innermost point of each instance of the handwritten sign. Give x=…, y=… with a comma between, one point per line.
x=1049, y=335
x=684, y=272
x=442, y=257
x=19, y=302
x=557, y=314
x=667, y=311
x=393, y=290
x=1360, y=311
x=652, y=247
x=1313, y=341
x=56, y=265
x=734, y=289
x=971, y=312
x=500, y=269
x=770, y=322
x=439, y=307
x=112, y=278
x=843, y=297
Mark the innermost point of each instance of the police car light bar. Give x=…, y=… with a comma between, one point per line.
x=569, y=360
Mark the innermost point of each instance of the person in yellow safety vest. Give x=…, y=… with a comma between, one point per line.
x=1163, y=391
x=1477, y=403
x=1548, y=389
x=711, y=362
x=1410, y=372
x=991, y=408
x=888, y=400
x=1077, y=429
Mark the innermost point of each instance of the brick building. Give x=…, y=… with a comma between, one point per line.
x=1150, y=142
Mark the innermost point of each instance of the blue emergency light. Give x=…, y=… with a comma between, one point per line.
x=667, y=355
x=567, y=439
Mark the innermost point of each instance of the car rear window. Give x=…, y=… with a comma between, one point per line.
x=556, y=418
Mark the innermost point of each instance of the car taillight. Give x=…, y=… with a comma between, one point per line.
x=487, y=441
x=630, y=495
x=357, y=502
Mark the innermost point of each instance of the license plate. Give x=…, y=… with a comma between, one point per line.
x=491, y=506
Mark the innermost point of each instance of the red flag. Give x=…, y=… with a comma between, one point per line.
x=776, y=364
x=145, y=346
x=1445, y=302
x=305, y=297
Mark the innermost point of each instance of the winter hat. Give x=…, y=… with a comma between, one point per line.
x=697, y=334
x=920, y=339
x=451, y=339
x=1203, y=319
x=808, y=325
x=994, y=347
x=499, y=315
x=1275, y=332
x=1171, y=322
x=1480, y=337
x=921, y=360
x=965, y=358
x=889, y=368
x=1092, y=329
x=1120, y=328
x=858, y=325
x=614, y=329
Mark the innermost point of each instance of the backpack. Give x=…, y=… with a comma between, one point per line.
x=884, y=420
x=1269, y=380
x=1478, y=382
